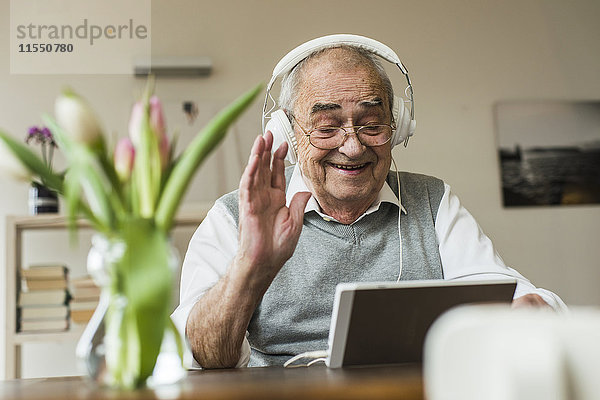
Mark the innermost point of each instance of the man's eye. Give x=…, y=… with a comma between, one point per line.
x=326, y=131
x=370, y=130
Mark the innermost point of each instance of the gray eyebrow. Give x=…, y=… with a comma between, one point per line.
x=377, y=102
x=318, y=107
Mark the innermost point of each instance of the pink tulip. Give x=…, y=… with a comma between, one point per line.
x=157, y=124
x=157, y=120
x=135, y=123
x=124, y=156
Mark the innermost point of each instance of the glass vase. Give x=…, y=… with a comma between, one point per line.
x=113, y=350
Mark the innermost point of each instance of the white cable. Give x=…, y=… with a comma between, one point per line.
x=399, y=215
x=317, y=355
x=322, y=359
x=481, y=273
x=274, y=104
x=266, y=113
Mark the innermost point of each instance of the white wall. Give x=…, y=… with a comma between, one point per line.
x=463, y=57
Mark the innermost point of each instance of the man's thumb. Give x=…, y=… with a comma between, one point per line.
x=297, y=206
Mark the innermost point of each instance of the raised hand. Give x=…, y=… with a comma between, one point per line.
x=268, y=229
x=268, y=234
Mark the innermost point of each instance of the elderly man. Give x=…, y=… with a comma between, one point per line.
x=259, y=277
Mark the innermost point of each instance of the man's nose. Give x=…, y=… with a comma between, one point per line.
x=351, y=146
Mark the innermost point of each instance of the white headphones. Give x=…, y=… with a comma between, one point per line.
x=279, y=123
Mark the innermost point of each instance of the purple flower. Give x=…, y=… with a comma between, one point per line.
x=43, y=136
x=40, y=135
x=47, y=134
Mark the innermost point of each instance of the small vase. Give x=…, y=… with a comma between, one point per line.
x=104, y=351
x=42, y=200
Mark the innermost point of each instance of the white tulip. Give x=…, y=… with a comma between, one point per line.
x=77, y=119
x=11, y=166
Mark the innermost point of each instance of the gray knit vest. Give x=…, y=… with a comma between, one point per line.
x=295, y=312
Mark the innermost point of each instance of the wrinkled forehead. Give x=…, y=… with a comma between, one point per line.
x=337, y=76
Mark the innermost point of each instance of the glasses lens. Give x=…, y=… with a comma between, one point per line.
x=331, y=137
x=374, y=135
x=327, y=137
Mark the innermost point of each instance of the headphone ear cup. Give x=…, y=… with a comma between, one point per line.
x=282, y=131
x=405, y=126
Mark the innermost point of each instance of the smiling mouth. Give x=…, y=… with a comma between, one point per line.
x=349, y=167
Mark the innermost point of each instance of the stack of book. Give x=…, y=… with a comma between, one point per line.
x=43, y=299
x=85, y=297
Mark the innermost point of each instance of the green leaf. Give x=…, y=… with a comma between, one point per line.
x=143, y=165
x=147, y=169
x=83, y=161
x=193, y=156
x=107, y=165
x=72, y=195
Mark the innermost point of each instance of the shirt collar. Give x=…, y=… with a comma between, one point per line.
x=297, y=184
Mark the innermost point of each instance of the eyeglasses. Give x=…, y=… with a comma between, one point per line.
x=332, y=137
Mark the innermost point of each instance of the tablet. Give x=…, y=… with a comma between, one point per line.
x=385, y=322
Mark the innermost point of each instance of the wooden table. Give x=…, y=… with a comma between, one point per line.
x=316, y=382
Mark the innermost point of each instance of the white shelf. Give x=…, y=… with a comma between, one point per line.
x=191, y=216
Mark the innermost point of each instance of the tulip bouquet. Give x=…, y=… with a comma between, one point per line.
x=130, y=197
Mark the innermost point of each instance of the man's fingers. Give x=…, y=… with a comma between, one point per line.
x=264, y=175
x=249, y=175
x=258, y=174
x=258, y=145
x=281, y=151
x=278, y=175
x=268, y=137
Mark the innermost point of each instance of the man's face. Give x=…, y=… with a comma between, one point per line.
x=331, y=93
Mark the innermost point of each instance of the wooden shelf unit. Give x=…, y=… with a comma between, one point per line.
x=15, y=227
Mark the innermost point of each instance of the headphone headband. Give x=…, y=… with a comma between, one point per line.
x=290, y=60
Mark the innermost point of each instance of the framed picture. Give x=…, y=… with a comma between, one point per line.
x=549, y=152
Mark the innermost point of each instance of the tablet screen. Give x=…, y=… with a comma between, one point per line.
x=386, y=323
